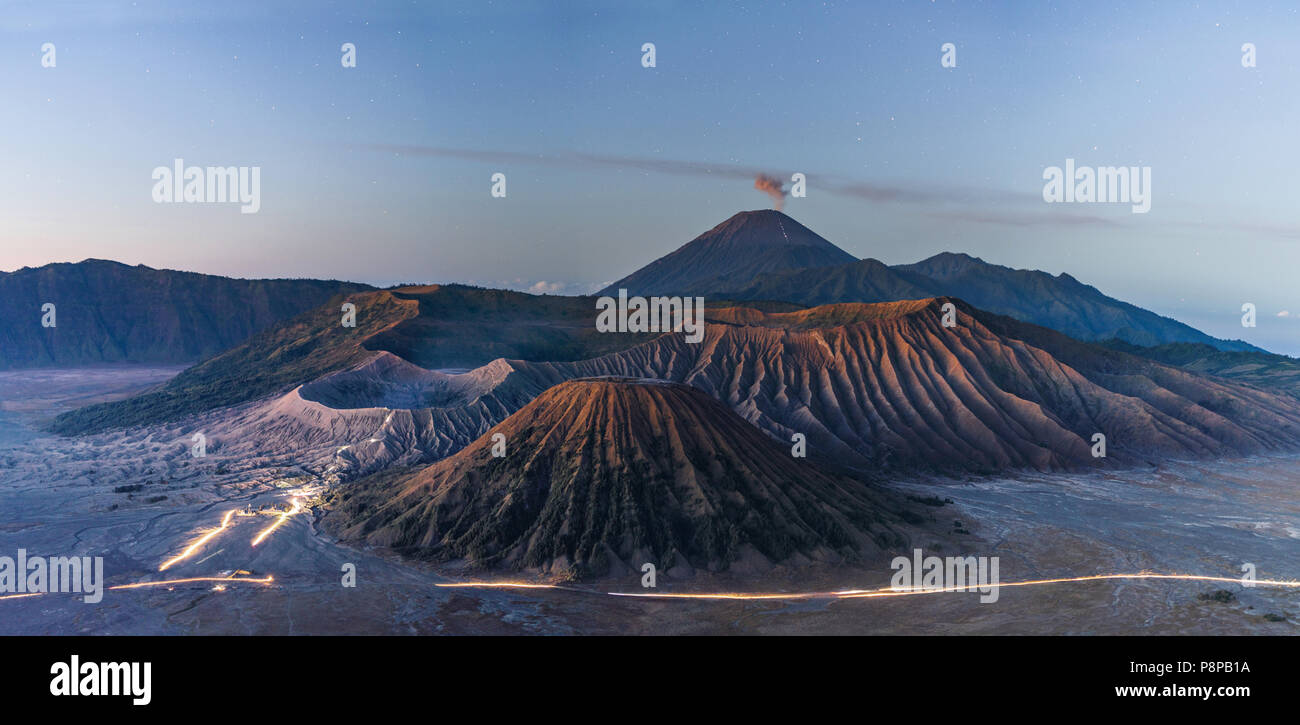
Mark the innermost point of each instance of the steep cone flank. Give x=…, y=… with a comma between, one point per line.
x=611, y=473
x=731, y=254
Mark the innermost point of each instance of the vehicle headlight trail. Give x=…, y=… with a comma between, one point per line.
x=284, y=516
x=506, y=585
x=193, y=548
x=231, y=579
x=194, y=580
x=912, y=591
x=198, y=543
x=874, y=593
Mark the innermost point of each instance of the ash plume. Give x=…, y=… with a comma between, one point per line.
x=771, y=186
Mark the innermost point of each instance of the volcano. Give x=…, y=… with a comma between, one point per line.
x=602, y=475
x=730, y=255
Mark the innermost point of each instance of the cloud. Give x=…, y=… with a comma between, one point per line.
x=546, y=288
x=967, y=204
x=1053, y=218
x=541, y=287
x=1280, y=231
x=866, y=191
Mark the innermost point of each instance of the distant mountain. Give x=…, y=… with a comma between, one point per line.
x=601, y=475
x=731, y=255
x=108, y=312
x=1060, y=302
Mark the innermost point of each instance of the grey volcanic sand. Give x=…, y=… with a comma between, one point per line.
x=57, y=499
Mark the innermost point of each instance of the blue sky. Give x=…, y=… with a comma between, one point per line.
x=380, y=173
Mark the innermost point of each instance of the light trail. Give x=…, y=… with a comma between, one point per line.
x=910, y=591
x=189, y=551
x=792, y=596
x=507, y=585
x=1278, y=583
x=209, y=556
x=284, y=515
x=870, y=593
x=168, y=582
x=193, y=580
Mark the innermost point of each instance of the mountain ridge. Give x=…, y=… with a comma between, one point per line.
x=107, y=312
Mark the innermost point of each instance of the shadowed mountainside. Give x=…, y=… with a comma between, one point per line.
x=457, y=326
x=864, y=280
x=602, y=475
x=1059, y=302
x=107, y=312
